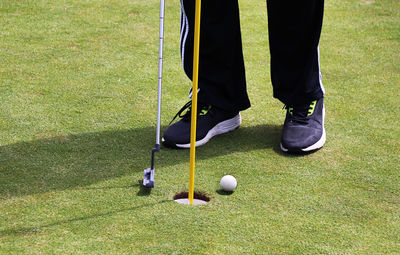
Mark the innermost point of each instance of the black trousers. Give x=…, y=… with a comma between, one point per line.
x=294, y=30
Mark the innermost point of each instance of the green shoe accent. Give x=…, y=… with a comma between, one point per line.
x=205, y=111
x=291, y=110
x=312, y=108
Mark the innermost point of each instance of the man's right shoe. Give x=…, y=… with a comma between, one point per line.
x=211, y=121
x=303, y=130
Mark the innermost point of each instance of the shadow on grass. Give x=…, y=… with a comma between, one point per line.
x=224, y=192
x=142, y=190
x=63, y=162
x=26, y=230
x=294, y=154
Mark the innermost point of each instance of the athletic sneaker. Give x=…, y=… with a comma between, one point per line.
x=303, y=130
x=211, y=121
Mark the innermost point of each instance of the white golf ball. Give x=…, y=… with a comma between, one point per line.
x=228, y=183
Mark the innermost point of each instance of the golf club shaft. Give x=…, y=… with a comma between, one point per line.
x=160, y=66
x=148, y=178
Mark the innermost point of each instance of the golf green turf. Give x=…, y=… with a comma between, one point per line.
x=78, y=88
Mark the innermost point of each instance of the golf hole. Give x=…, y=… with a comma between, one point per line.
x=198, y=198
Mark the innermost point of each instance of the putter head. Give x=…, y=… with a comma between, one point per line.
x=148, y=178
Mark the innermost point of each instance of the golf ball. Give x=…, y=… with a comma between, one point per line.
x=228, y=183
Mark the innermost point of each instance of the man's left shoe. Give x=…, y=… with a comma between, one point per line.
x=211, y=121
x=303, y=130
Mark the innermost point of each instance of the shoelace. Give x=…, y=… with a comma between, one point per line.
x=188, y=107
x=299, y=114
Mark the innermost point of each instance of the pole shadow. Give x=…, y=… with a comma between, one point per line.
x=34, y=229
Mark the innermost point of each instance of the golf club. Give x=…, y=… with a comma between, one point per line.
x=148, y=177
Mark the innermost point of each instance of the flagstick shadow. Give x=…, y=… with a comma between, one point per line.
x=34, y=229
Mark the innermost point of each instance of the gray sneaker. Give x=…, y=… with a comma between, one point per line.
x=303, y=130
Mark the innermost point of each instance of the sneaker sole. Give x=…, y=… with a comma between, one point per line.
x=221, y=128
x=316, y=145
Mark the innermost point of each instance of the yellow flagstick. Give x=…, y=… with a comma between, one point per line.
x=193, y=123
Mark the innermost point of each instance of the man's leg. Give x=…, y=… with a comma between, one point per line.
x=222, y=80
x=294, y=33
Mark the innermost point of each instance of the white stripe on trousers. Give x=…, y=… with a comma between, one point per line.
x=320, y=75
x=184, y=32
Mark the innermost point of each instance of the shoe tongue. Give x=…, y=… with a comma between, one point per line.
x=300, y=113
x=301, y=110
x=202, y=109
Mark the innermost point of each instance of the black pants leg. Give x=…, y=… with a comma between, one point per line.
x=294, y=32
x=222, y=79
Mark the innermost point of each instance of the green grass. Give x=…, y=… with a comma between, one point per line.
x=77, y=124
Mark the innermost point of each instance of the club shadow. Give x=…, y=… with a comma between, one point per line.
x=143, y=191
